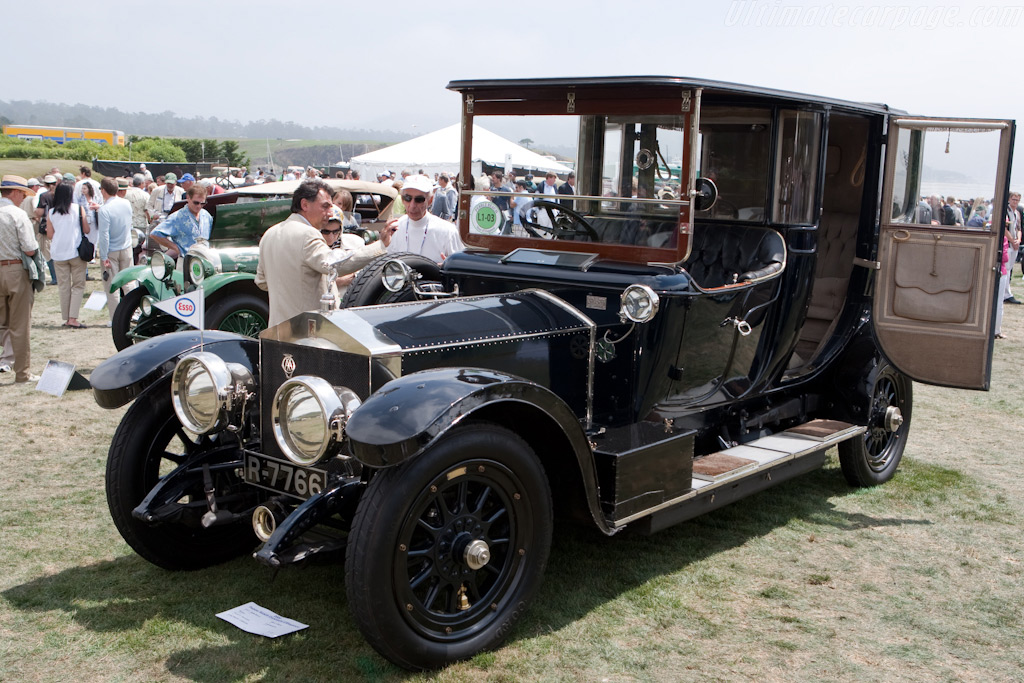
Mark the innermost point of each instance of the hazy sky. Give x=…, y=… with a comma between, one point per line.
x=384, y=65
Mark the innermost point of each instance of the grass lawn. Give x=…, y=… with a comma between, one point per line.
x=921, y=579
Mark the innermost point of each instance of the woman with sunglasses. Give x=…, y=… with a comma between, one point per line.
x=421, y=232
x=186, y=226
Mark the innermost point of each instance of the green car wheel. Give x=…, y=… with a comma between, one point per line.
x=245, y=314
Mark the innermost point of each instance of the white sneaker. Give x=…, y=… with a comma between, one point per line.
x=6, y=368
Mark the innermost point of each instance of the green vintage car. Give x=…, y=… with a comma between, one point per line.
x=226, y=266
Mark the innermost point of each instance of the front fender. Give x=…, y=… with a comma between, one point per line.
x=222, y=280
x=122, y=377
x=406, y=415
x=144, y=276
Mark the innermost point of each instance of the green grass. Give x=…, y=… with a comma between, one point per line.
x=920, y=579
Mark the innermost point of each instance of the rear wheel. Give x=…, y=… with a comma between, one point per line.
x=886, y=397
x=367, y=289
x=447, y=549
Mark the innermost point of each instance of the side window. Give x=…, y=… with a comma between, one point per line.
x=796, y=168
x=734, y=150
x=945, y=177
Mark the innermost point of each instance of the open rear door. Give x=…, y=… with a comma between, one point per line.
x=936, y=290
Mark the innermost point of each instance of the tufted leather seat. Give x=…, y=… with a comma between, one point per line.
x=723, y=255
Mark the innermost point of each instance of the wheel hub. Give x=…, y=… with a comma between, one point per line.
x=477, y=554
x=893, y=418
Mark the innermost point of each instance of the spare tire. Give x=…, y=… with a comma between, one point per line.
x=367, y=289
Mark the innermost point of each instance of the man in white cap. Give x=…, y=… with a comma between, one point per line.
x=17, y=240
x=419, y=231
x=163, y=198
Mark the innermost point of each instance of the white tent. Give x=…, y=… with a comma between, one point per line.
x=438, y=152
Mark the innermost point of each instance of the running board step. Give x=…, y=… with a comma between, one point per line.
x=735, y=473
x=754, y=456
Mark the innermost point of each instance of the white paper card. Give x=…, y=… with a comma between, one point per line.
x=55, y=378
x=252, y=618
x=95, y=302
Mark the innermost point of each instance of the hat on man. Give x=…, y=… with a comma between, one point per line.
x=171, y=178
x=69, y=177
x=34, y=182
x=419, y=182
x=49, y=179
x=336, y=215
x=122, y=184
x=185, y=178
x=16, y=182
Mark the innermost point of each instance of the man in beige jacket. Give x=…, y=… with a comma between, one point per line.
x=294, y=254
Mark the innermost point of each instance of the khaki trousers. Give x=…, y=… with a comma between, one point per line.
x=119, y=260
x=16, y=299
x=71, y=285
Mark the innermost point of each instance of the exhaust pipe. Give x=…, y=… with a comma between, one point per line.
x=265, y=521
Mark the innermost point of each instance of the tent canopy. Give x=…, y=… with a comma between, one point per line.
x=438, y=152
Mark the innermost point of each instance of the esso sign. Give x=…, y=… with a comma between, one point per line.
x=185, y=307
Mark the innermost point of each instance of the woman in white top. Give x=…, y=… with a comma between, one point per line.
x=66, y=226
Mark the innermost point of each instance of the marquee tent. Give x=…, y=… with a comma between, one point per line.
x=438, y=152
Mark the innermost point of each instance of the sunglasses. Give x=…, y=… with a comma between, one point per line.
x=419, y=199
x=330, y=232
x=195, y=203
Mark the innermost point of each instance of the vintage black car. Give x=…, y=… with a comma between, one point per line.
x=740, y=280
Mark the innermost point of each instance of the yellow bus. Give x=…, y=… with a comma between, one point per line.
x=60, y=134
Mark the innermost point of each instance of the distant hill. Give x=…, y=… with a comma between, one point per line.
x=169, y=124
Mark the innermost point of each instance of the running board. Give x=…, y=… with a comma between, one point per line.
x=734, y=473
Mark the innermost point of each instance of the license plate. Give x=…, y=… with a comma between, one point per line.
x=283, y=476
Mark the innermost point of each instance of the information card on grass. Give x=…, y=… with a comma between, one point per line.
x=261, y=621
x=96, y=301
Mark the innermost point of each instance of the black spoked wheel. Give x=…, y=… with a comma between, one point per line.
x=873, y=458
x=446, y=550
x=148, y=444
x=367, y=289
x=239, y=313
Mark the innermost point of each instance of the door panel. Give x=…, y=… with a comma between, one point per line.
x=936, y=286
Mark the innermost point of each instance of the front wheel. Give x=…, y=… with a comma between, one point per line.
x=126, y=316
x=148, y=444
x=887, y=397
x=447, y=549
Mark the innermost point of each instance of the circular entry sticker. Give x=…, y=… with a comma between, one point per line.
x=486, y=218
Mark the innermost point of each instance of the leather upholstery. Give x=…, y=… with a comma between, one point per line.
x=723, y=255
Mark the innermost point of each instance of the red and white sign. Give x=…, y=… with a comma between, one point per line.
x=187, y=307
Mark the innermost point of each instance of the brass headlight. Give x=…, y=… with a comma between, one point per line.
x=309, y=417
x=208, y=394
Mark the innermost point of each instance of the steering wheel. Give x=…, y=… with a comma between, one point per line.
x=565, y=223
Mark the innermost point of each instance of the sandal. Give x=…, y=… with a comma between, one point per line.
x=79, y=326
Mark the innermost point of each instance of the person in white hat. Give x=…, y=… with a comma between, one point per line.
x=17, y=240
x=419, y=231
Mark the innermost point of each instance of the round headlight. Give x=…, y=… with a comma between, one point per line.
x=161, y=265
x=195, y=270
x=396, y=275
x=639, y=303
x=147, y=306
x=309, y=417
x=206, y=391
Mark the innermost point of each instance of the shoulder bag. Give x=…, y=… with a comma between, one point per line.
x=86, y=249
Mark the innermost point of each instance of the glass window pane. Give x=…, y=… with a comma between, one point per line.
x=796, y=168
x=734, y=148
x=945, y=177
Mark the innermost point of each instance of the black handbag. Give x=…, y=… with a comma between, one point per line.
x=86, y=249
